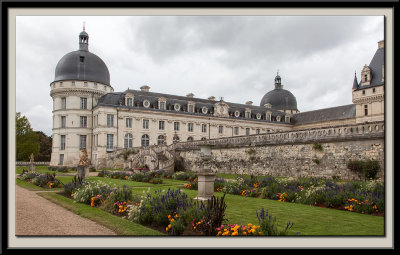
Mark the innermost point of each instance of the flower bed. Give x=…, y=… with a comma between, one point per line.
x=312, y=191
x=47, y=180
x=170, y=211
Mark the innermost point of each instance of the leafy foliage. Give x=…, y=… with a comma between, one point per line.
x=27, y=141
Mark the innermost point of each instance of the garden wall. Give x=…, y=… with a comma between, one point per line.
x=318, y=153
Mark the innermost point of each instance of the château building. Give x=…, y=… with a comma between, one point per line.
x=88, y=114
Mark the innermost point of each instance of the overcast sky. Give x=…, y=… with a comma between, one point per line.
x=234, y=57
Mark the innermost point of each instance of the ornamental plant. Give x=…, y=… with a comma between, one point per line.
x=84, y=193
x=268, y=225
x=176, y=225
x=239, y=230
x=47, y=180
x=74, y=184
x=211, y=215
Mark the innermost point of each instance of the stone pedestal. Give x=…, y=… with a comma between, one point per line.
x=31, y=167
x=83, y=171
x=205, y=186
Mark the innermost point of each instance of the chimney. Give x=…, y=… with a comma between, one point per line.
x=249, y=102
x=381, y=44
x=190, y=95
x=211, y=98
x=145, y=88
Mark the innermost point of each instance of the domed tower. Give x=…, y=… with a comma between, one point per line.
x=280, y=99
x=81, y=78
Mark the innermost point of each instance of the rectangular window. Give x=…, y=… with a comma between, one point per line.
x=365, y=110
x=236, y=130
x=63, y=121
x=176, y=126
x=61, y=162
x=63, y=103
x=110, y=120
x=162, y=105
x=161, y=125
x=82, y=142
x=257, y=131
x=220, y=129
x=128, y=122
x=203, y=128
x=85, y=84
x=247, y=114
x=83, y=121
x=62, y=145
x=110, y=142
x=191, y=108
x=145, y=124
x=247, y=131
x=129, y=101
x=190, y=127
x=83, y=103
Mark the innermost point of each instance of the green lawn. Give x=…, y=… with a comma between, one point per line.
x=308, y=220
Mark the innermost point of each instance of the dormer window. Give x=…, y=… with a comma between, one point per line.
x=129, y=101
x=237, y=114
x=204, y=110
x=81, y=59
x=177, y=107
x=366, y=76
x=259, y=116
x=146, y=103
x=278, y=118
x=268, y=116
x=162, y=105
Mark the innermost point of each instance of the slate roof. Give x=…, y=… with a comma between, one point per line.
x=376, y=69
x=327, y=114
x=113, y=99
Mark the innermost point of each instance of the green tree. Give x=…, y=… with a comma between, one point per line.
x=27, y=141
x=45, y=143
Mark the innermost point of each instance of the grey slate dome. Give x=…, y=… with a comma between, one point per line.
x=279, y=98
x=82, y=65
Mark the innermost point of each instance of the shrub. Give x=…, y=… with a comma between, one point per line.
x=84, y=193
x=317, y=146
x=213, y=215
x=47, y=180
x=74, y=184
x=155, y=207
x=366, y=168
x=28, y=176
x=268, y=224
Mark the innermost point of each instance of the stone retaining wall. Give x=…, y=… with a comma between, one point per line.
x=319, y=152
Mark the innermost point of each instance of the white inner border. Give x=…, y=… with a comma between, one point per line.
x=193, y=242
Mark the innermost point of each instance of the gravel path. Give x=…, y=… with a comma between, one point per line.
x=36, y=216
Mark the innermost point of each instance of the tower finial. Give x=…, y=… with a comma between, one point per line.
x=84, y=26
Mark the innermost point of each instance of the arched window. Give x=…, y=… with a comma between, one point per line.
x=190, y=138
x=175, y=138
x=128, y=140
x=203, y=138
x=145, y=140
x=160, y=140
